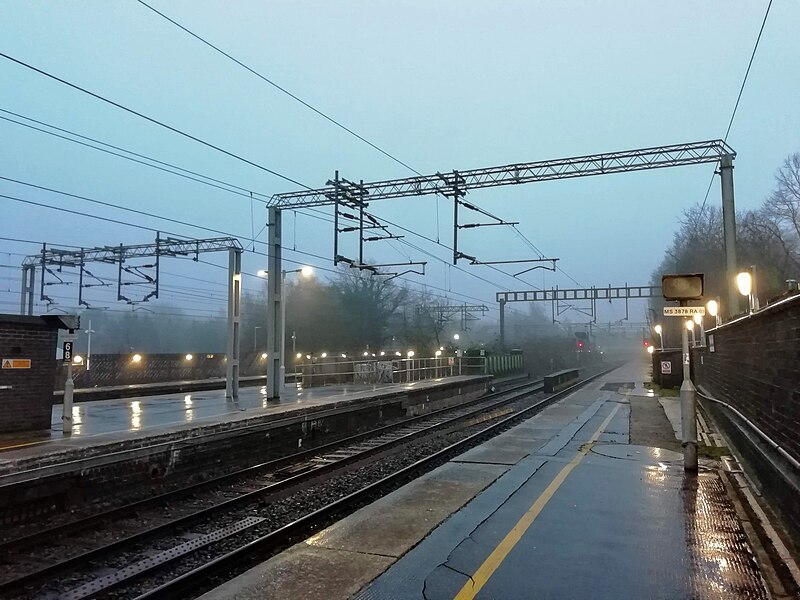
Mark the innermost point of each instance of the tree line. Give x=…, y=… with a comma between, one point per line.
x=767, y=237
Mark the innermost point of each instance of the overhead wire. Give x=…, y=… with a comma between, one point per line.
x=244, y=192
x=280, y=88
x=178, y=171
x=739, y=95
x=314, y=109
x=151, y=119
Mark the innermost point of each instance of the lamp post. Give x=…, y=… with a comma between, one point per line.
x=660, y=331
x=255, y=338
x=89, y=333
x=306, y=272
x=457, y=337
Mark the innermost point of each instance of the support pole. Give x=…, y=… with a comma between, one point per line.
x=274, y=304
x=69, y=389
x=455, y=224
x=688, y=407
x=335, y=218
x=282, y=376
x=234, y=311
x=502, y=323
x=89, y=333
x=729, y=228
x=31, y=286
x=23, y=290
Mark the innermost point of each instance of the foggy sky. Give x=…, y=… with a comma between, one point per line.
x=442, y=86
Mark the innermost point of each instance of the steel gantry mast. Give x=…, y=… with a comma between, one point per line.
x=54, y=260
x=462, y=181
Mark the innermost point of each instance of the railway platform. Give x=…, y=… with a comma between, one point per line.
x=133, y=422
x=588, y=499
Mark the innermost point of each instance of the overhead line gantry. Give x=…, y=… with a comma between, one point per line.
x=457, y=183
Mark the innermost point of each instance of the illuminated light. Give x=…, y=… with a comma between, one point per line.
x=324, y=355
x=189, y=357
x=397, y=354
x=136, y=358
x=441, y=348
x=438, y=353
x=651, y=349
x=713, y=308
x=658, y=329
x=373, y=355
x=366, y=353
x=456, y=337
x=264, y=355
x=209, y=356
x=698, y=319
x=410, y=353
x=645, y=343
x=344, y=355
x=299, y=355
x=383, y=353
x=77, y=359
x=308, y=356
x=262, y=273
x=690, y=325
x=580, y=344
x=307, y=271
x=744, y=281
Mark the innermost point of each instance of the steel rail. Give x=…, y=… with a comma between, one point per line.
x=279, y=538
x=274, y=464
x=277, y=487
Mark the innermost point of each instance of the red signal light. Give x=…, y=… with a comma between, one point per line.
x=580, y=344
x=646, y=343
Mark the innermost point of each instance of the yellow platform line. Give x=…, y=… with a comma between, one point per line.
x=498, y=555
x=23, y=445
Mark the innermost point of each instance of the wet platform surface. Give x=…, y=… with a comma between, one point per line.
x=561, y=506
x=129, y=417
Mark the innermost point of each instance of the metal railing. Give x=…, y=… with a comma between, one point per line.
x=385, y=371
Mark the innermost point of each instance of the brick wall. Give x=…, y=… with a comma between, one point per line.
x=756, y=368
x=26, y=395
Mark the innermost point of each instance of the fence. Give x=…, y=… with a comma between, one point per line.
x=400, y=370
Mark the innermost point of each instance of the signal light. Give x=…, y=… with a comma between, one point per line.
x=646, y=343
x=580, y=344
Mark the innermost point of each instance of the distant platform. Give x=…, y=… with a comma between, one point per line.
x=131, y=421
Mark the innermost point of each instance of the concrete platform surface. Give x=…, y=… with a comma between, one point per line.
x=561, y=506
x=107, y=421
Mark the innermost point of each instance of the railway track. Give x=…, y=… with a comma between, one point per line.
x=112, y=533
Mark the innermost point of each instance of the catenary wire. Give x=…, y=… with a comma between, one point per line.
x=280, y=88
x=739, y=96
x=151, y=120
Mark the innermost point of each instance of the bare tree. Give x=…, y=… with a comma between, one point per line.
x=782, y=210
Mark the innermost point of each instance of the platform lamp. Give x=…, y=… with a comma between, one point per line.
x=660, y=331
x=699, y=320
x=690, y=326
x=712, y=306
x=746, y=282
